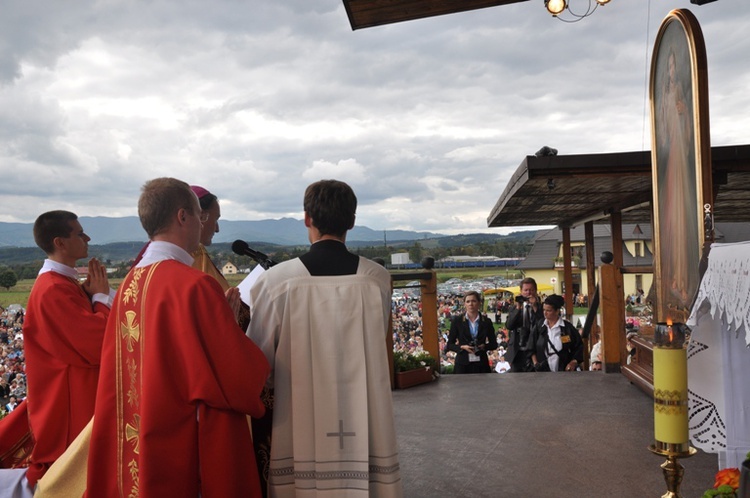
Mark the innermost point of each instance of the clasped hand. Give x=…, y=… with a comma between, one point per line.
x=96, y=282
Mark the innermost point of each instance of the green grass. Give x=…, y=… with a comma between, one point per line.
x=475, y=273
x=444, y=274
x=18, y=294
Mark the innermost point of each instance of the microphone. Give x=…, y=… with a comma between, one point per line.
x=243, y=249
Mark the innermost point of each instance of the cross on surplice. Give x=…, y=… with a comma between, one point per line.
x=340, y=434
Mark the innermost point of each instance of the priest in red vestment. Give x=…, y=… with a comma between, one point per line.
x=63, y=333
x=178, y=375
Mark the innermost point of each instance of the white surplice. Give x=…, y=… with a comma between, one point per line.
x=324, y=336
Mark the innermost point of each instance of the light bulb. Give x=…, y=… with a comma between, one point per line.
x=556, y=7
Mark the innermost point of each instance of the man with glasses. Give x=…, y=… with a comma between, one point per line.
x=63, y=334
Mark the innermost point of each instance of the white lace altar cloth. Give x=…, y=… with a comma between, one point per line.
x=719, y=356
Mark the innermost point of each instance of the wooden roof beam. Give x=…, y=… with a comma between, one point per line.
x=369, y=13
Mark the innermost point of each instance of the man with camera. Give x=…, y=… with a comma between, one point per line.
x=521, y=320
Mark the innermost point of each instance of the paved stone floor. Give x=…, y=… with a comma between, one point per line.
x=544, y=435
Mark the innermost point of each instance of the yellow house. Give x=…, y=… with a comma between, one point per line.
x=544, y=262
x=228, y=269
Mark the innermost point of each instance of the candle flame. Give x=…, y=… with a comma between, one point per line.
x=670, y=332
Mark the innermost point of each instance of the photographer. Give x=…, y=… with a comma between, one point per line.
x=556, y=343
x=521, y=321
x=471, y=336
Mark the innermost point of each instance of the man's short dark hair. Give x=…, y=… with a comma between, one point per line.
x=50, y=225
x=160, y=200
x=332, y=206
x=529, y=280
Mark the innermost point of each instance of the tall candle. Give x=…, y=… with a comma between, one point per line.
x=670, y=389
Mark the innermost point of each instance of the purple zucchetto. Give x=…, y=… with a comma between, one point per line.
x=199, y=191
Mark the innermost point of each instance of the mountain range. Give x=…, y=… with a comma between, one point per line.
x=284, y=231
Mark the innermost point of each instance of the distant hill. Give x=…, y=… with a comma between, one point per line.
x=284, y=231
x=120, y=239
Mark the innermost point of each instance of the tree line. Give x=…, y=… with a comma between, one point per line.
x=22, y=263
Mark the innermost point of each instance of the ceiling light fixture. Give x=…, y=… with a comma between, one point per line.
x=557, y=7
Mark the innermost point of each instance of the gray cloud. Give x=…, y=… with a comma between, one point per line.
x=426, y=119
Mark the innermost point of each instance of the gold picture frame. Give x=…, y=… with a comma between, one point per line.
x=681, y=163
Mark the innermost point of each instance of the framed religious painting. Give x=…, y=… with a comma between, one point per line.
x=681, y=163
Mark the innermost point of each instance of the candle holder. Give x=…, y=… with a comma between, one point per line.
x=671, y=403
x=673, y=469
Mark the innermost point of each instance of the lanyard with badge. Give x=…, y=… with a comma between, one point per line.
x=474, y=330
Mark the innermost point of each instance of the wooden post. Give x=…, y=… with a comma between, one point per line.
x=617, y=250
x=588, y=228
x=430, y=336
x=389, y=343
x=567, y=272
x=613, y=316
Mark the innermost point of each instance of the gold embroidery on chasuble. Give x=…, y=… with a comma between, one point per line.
x=129, y=353
x=131, y=432
x=130, y=330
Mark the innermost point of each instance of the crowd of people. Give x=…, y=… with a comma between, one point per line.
x=12, y=371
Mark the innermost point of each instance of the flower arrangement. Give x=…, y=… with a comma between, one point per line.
x=726, y=483
x=403, y=361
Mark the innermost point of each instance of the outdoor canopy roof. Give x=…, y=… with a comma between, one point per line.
x=571, y=190
x=369, y=13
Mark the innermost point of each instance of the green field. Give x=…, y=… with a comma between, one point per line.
x=19, y=294
x=472, y=273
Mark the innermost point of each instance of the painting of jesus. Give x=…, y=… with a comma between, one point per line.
x=677, y=174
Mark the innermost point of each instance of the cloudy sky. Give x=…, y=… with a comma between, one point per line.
x=256, y=99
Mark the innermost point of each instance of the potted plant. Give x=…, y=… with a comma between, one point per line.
x=412, y=368
x=730, y=483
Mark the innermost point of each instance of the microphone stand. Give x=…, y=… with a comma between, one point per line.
x=265, y=261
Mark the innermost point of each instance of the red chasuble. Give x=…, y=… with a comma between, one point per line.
x=178, y=376
x=63, y=334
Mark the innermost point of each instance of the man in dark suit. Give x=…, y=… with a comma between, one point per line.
x=470, y=337
x=521, y=320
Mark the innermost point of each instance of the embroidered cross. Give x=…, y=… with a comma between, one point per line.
x=340, y=434
x=130, y=330
x=131, y=432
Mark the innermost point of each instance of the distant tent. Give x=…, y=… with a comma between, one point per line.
x=515, y=291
